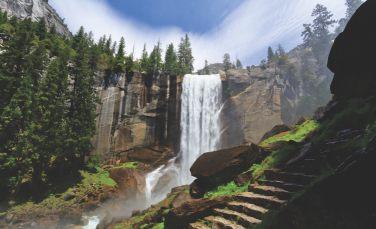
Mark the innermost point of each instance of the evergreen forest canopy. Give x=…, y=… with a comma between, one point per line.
x=48, y=97
x=48, y=91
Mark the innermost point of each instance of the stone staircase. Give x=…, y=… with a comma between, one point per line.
x=247, y=209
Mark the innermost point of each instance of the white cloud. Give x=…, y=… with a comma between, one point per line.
x=245, y=33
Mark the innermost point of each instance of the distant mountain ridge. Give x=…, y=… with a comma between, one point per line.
x=35, y=9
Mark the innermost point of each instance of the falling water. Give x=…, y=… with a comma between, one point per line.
x=200, y=133
x=200, y=122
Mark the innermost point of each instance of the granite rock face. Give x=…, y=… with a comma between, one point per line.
x=133, y=114
x=35, y=9
x=272, y=94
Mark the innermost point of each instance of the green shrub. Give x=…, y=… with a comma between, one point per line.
x=128, y=165
x=100, y=178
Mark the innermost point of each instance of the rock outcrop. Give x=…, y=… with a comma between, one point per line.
x=271, y=94
x=252, y=112
x=352, y=55
x=215, y=168
x=36, y=10
x=129, y=181
x=133, y=114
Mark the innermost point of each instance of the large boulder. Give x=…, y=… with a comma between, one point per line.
x=129, y=181
x=219, y=167
x=352, y=56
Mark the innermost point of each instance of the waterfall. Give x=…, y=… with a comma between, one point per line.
x=200, y=121
x=200, y=133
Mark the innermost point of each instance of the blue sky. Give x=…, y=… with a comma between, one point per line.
x=193, y=16
x=243, y=28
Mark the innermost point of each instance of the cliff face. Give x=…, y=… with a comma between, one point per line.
x=133, y=115
x=272, y=94
x=35, y=9
x=249, y=113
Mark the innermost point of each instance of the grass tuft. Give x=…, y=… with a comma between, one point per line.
x=298, y=134
x=278, y=157
x=227, y=190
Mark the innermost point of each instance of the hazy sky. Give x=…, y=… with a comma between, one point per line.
x=243, y=28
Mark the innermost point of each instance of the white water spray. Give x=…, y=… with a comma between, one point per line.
x=93, y=222
x=200, y=133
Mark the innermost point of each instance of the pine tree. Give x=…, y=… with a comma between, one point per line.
x=15, y=158
x=78, y=37
x=94, y=57
x=317, y=35
x=282, y=56
x=17, y=117
x=108, y=45
x=322, y=38
x=102, y=43
x=14, y=62
x=270, y=54
x=144, y=62
x=171, y=63
x=3, y=17
x=41, y=30
x=307, y=35
x=185, y=57
x=155, y=61
x=82, y=104
x=239, y=64
x=49, y=130
x=322, y=21
x=120, y=58
x=352, y=6
x=227, y=62
x=129, y=65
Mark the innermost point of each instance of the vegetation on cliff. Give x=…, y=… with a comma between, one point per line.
x=48, y=103
x=47, y=106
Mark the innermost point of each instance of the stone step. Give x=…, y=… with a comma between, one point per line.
x=291, y=187
x=247, y=208
x=198, y=225
x=306, y=166
x=220, y=222
x=261, y=200
x=270, y=191
x=240, y=218
x=297, y=178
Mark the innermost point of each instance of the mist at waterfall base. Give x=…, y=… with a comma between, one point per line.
x=200, y=133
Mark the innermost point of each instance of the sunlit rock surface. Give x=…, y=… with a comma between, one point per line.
x=133, y=114
x=35, y=9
